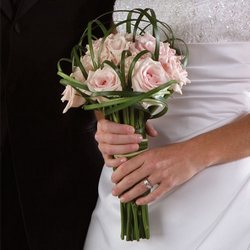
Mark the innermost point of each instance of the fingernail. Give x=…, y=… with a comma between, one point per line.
x=131, y=130
x=122, y=199
x=139, y=138
x=123, y=160
x=135, y=147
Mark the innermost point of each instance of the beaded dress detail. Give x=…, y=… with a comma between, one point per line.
x=204, y=20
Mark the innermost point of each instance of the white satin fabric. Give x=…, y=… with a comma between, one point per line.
x=212, y=210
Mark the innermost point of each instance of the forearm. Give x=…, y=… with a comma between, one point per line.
x=228, y=143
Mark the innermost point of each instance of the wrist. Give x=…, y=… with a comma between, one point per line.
x=204, y=153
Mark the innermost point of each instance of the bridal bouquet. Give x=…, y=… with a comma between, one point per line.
x=129, y=77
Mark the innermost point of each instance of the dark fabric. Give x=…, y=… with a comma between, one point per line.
x=53, y=162
x=11, y=209
x=15, y=4
x=6, y=8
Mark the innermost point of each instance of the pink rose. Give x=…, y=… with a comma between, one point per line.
x=174, y=69
x=97, y=46
x=148, y=42
x=105, y=79
x=77, y=74
x=87, y=62
x=128, y=61
x=115, y=44
x=111, y=49
x=148, y=74
x=145, y=42
x=73, y=97
x=166, y=52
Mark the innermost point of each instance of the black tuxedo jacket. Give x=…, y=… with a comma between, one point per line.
x=55, y=157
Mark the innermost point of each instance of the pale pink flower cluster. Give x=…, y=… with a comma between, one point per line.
x=105, y=79
x=147, y=73
x=109, y=49
x=72, y=96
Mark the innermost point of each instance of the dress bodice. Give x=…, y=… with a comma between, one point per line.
x=199, y=21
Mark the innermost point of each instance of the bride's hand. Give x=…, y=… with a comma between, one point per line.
x=171, y=165
x=119, y=139
x=166, y=167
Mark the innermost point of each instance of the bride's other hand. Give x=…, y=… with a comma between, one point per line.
x=119, y=139
x=172, y=165
x=165, y=167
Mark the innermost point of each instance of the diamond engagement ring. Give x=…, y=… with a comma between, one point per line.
x=147, y=183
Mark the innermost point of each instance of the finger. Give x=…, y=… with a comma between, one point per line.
x=112, y=162
x=151, y=131
x=117, y=149
x=125, y=169
x=132, y=179
x=154, y=195
x=116, y=139
x=137, y=191
x=115, y=128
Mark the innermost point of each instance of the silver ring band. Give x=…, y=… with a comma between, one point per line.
x=147, y=184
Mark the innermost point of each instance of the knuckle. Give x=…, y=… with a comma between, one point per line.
x=122, y=170
x=160, y=164
x=109, y=151
x=103, y=124
x=110, y=163
x=165, y=174
x=150, y=167
x=100, y=147
x=97, y=136
x=111, y=138
x=104, y=149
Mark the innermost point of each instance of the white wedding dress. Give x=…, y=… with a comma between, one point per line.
x=212, y=210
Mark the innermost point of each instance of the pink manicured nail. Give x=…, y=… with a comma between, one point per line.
x=123, y=160
x=131, y=130
x=122, y=199
x=139, y=138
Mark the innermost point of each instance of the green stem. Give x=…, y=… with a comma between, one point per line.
x=145, y=221
x=123, y=216
x=129, y=224
x=125, y=116
x=136, y=226
x=132, y=116
x=134, y=219
x=141, y=227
